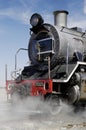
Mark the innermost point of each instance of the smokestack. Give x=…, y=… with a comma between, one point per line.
x=60, y=18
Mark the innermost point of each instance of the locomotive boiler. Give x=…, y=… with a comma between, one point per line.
x=57, y=57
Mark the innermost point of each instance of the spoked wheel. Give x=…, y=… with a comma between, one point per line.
x=53, y=102
x=73, y=94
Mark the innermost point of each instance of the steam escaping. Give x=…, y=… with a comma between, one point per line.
x=36, y=114
x=36, y=110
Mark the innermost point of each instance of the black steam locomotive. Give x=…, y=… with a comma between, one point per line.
x=57, y=56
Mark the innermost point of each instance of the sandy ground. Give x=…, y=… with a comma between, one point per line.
x=32, y=114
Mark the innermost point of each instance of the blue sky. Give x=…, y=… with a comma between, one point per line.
x=14, y=26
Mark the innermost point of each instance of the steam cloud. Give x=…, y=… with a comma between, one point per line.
x=38, y=115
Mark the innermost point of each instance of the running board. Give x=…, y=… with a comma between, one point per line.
x=65, y=80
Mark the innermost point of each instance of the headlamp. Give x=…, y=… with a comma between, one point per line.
x=36, y=20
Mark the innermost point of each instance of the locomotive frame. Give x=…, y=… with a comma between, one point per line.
x=58, y=62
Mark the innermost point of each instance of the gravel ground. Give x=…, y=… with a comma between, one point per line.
x=32, y=114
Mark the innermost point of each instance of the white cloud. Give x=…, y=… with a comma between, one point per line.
x=23, y=15
x=16, y=14
x=24, y=12
x=48, y=18
x=77, y=20
x=20, y=10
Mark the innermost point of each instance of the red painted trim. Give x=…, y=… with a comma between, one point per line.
x=35, y=90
